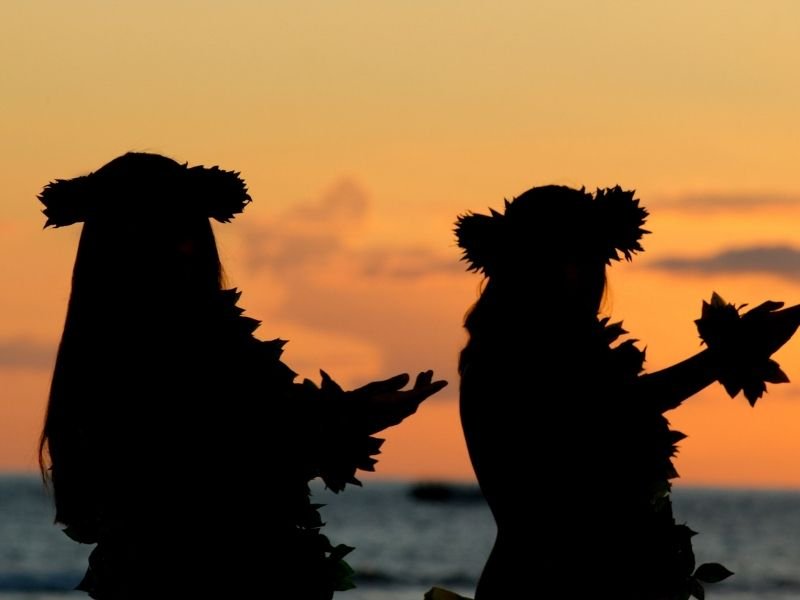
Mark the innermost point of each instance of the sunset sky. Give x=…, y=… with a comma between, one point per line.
x=364, y=128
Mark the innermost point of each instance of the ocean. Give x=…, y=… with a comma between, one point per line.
x=408, y=542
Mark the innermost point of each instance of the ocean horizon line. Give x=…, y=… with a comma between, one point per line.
x=461, y=482
x=731, y=486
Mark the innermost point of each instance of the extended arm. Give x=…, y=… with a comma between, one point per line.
x=382, y=404
x=343, y=422
x=738, y=356
x=669, y=387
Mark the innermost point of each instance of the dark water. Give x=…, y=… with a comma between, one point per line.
x=405, y=545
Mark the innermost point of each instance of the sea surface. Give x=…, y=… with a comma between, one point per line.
x=405, y=544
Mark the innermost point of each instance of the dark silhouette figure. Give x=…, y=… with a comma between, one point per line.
x=565, y=431
x=175, y=440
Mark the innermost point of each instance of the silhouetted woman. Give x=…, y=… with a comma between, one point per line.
x=176, y=440
x=565, y=432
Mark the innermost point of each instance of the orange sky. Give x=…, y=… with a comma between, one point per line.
x=364, y=129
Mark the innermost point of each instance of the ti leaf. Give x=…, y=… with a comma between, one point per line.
x=712, y=573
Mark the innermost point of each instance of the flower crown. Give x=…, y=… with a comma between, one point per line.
x=573, y=222
x=139, y=182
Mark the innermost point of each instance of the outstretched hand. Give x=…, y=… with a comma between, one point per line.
x=743, y=343
x=382, y=404
x=771, y=328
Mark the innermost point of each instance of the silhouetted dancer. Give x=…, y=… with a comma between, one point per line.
x=176, y=440
x=553, y=402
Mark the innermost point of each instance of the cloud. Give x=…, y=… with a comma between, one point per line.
x=727, y=202
x=316, y=234
x=408, y=263
x=783, y=261
x=308, y=233
x=26, y=353
x=342, y=202
x=280, y=249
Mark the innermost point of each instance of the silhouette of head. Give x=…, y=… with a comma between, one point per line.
x=146, y=221
x=565, y=236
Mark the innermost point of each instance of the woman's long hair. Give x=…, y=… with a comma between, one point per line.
x=133, y=276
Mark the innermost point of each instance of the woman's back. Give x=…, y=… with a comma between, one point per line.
x=570, y=458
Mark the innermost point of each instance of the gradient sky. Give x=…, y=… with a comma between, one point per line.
x=364, y=128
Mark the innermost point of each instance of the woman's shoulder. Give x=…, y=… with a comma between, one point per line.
x=232, y=335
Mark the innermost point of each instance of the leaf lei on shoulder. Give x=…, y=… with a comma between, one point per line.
x=238, y=326
x=628, y=361
x=343, y=448
x=737, y=341
x=339, y=448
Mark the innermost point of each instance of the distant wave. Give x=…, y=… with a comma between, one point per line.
x=66, y=582
x=766, y=587
x=382, y=578
x=39, y=582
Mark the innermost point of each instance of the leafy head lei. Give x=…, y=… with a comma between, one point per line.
x=139, y=183
x=552, y=218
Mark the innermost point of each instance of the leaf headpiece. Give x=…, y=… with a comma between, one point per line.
x=607, y=225
x=144, y=184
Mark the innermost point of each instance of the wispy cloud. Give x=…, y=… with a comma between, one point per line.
x=346, y=201
x=26, y=353
x=408, y=262
x=726, y=202
x=308, y=233
x=318, y=233
x=783, y=261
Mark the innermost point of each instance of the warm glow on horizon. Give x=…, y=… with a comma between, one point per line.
x=364, y=129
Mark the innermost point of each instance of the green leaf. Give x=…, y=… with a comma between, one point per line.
x=343, y=576
x=697, y=590
x=340, y=551
x=712, y=572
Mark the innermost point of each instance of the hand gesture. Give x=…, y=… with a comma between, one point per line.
x=771, y=328
x=350, y=418
x=743, y=343
x=381, y=404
